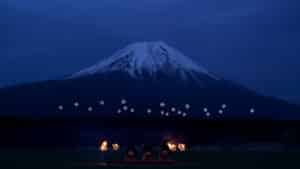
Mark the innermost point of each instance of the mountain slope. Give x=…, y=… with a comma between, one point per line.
x=144, y=80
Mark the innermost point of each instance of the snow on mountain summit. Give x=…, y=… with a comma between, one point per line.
x=145, y=57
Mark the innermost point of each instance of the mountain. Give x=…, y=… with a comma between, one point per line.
x=147, y=59
x=143, y=80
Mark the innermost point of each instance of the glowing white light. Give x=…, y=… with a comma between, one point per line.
x=125, y=108
x=184, y=114
x=76, y=104
x=207, y=114
x=123, y=101
x=132, y=110
x=162, y=112
x=220, y=112
x=173, y=109
x=224, y=106
x=90, y=109
x=187, y=106
x=60, y=107
x=179, y=112
x=149, y=111
x=162, y=104
x=119, y=111
x=252, y=110
x=167, y=113
x=205, y=109
x=101, y=102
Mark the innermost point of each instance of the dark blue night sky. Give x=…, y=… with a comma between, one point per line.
x=253, y=42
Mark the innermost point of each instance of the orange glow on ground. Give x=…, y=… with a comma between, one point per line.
x=172, y=147
x=104, y=146
x=181, y=147
x=115, y=146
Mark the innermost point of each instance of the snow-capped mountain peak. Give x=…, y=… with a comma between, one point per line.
x=146, y=57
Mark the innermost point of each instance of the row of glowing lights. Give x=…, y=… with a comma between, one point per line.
x=173, y=147
x=125, y=108
x=162, y=112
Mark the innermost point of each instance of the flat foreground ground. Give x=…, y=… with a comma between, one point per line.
x=56, y=159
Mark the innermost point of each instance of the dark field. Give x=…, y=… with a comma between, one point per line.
x=72, y=143
x=56, y=159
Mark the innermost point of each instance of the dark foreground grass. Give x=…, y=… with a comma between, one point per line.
x=57, y=159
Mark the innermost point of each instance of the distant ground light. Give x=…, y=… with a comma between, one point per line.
x=123, y=101
x=252, y=110
x=220, y=112
x=224, y=106
x=167, y=113
x=76, y=104
x=125, y=108
x=173, y=111
x=179, y=112
x=132, y=110
x=162, y=104
x=60, y=107
x=187, y=106
x=101, y=102
x=207, y=114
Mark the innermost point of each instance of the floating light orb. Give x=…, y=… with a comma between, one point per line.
x=162, y=112
x=167, y=114
x=173, y=109
x=179, y=112
x=149, y=111
x=205, y=109
x=90, y=109
x=187, y=106
x=181, y=147
x=123, y=101
x=252, y=110
x=115, y=146
x=184, y=114
x=103, y=146
x=60, y=107
x=119, y=111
